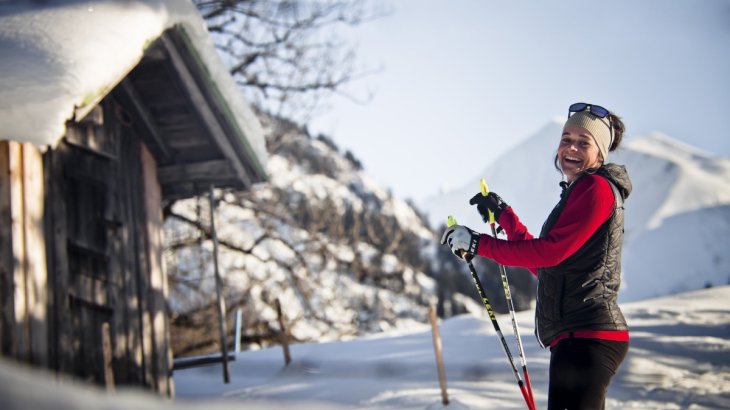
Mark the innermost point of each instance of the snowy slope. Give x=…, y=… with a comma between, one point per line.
x=679, y=358
x=344, y=256
x=677, y=217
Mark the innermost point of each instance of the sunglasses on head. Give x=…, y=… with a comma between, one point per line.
x=596, y=110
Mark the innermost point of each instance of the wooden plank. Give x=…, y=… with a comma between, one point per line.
x=90, y=290
x=65, y=344
x=36, y=274
x=136, y=194
x=219, y=291
x=158, y=278
x=21, y=345
x=7, y=301
x=127, y=94
x=215, y=170
x=114, y=215
x=107, y=355
x=204, y=110
x=130, y=254
x=89, y=135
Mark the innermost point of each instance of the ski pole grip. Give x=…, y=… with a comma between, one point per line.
x=485, y=190
x=451, y=221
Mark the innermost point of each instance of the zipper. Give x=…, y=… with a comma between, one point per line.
x=537, y=303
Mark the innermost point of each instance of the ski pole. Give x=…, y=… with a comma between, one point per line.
x=493, y=318
x=508, y=296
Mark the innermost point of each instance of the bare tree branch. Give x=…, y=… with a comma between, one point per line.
x=288, y=56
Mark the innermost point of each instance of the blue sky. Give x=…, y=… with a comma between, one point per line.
x=464, y=81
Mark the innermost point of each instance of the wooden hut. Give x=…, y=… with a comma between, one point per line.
x=83, y=286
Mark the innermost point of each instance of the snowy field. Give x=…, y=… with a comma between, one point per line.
x=679, y=359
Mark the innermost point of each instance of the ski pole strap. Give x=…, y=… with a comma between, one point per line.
x=612, y=335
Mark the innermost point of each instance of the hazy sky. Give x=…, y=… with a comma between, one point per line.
x=463, y=81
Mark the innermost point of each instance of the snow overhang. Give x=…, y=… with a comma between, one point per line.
x=59, y=59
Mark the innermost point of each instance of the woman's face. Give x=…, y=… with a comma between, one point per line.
x=577, y=151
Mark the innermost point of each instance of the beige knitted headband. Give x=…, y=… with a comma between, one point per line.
x=598, y=127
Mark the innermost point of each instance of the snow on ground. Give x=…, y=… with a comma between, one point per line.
x=679, y=359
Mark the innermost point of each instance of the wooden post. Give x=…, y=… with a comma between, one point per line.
x=284, y=336
x=106, y=342
x=239, y=323
x=439, y=356
x=218, y=291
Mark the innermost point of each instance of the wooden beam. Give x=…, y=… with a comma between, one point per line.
x=21, y=345
x=201, y=103
x=209, y=171
x=219, y=292
x=35, y=268
x=157, y=276
x=128, y=95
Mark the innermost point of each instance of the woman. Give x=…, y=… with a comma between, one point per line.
x=577, y=259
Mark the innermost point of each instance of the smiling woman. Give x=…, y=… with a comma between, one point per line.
x=576, y=258
x=590, y=132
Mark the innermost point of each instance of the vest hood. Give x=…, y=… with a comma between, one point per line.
x=618, y=175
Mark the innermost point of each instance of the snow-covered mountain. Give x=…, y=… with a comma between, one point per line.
x=677, y=217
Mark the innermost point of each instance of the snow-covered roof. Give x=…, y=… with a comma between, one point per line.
x=58, y=59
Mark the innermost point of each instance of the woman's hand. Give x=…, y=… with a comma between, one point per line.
x=462, y=241
x=491, y=202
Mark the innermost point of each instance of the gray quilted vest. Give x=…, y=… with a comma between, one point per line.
x=580, y=293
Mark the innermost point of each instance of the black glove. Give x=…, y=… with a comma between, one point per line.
x=462, y=241
x=491, y=202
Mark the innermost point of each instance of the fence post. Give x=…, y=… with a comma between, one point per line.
x=219, y=292
x=439, y=356
x=284, y=335
x=239, y=320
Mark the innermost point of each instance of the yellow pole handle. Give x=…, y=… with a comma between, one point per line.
x=485, y=190
x=451, y=221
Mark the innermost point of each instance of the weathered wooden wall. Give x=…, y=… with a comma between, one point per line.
x=82, y=285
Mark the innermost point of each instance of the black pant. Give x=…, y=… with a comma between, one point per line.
x=580, y=371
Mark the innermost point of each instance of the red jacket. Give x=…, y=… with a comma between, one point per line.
x=589, y=206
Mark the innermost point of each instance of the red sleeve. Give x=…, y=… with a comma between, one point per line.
x=512, y=226
x=590, y=205
x=515, y=229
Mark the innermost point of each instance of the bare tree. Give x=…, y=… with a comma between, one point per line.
x=288, y=55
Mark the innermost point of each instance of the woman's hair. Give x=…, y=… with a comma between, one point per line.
x=618, y=134
x=618, y=130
